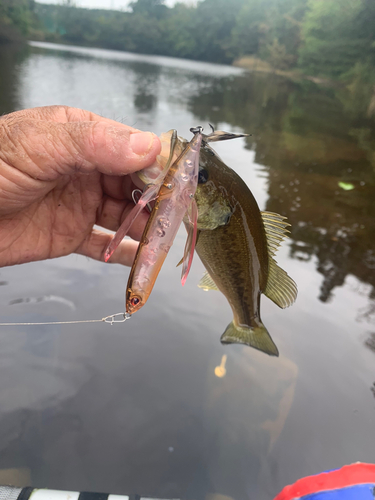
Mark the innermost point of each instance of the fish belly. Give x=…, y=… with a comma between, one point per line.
x=231, y=258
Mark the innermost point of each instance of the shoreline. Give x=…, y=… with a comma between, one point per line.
x=251, y=63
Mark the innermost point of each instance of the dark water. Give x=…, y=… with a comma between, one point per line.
x=137, y=407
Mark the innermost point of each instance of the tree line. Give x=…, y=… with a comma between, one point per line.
x=326, y=38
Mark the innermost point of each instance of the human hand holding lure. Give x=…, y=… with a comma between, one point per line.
x=63, y=170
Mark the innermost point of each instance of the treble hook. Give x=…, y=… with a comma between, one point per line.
x=136, y=194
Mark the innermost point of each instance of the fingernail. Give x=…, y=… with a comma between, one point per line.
x=141, y=142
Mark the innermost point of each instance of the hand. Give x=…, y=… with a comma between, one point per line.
x=62, y=170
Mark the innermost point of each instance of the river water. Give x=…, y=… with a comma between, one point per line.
x=137, y=407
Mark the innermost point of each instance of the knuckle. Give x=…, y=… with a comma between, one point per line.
x=10, y=135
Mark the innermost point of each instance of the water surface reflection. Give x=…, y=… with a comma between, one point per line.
x=139, y=407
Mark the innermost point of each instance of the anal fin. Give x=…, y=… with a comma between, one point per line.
x=207, y=283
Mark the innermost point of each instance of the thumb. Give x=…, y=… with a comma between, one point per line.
x=45, y=150
x=111, y=149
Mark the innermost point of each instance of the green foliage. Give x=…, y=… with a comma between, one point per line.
x=17, y=14
x=212, y=26
x=330, y=38
x=178, y=38
x=336, y=35
x=278, y=56
x=250, y=29
x=153, y=8
x=261, y=22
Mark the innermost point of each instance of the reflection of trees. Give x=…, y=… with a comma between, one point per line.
x=308, y=143
x=337, y=227
x=144, y=102
x=370, y=342
x=10, y=58
x=146, y=86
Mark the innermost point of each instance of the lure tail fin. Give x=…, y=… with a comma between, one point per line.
x=257, y=337
x=191, y=241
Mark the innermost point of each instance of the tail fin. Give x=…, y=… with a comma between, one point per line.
x=257, y=337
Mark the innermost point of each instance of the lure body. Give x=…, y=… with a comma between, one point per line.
x=174, y=200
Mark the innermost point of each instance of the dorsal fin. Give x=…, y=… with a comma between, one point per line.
x=281, y=289
x=207, y=283
x=275, y=227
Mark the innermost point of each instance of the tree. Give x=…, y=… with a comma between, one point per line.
x=336, y=35
x=250, y=27
x=154, y=8
x=18, y=14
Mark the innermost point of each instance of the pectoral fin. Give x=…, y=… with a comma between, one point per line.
x=207, y=283
x=191, y=241
x=149, y=195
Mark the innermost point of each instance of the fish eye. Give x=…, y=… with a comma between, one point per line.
x=202, y=176
x=135, y=301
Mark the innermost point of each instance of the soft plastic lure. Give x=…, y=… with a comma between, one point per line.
x=174, y=192
x=149, y=194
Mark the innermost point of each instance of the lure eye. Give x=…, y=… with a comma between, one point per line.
x=135, y=301
x=202, y=176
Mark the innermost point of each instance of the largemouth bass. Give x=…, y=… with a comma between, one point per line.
x=236, y=243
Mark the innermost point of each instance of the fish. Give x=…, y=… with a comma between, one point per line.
x=236, y=243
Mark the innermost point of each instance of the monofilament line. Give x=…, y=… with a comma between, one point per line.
x=112, y=318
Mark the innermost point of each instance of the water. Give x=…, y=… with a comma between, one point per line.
x=138, y=407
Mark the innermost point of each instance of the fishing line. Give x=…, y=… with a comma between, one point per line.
x=112, y=318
